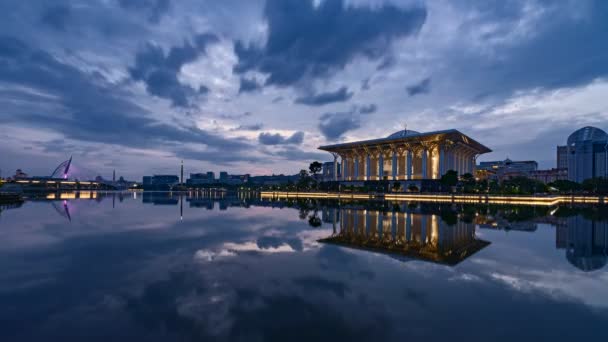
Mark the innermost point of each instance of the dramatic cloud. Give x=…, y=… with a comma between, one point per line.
x=277, y=139
x=308, y=41
x=153, y=8
x=249, y=85
x=334, y=125
x=252, y=127
x=368, y=109
x=422, y=87
x=321, y=99
x=56, y=17
x=160, y=72
x=141, y=83
x=84, y=107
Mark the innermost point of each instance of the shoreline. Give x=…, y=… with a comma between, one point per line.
x=10, y=198
x=444, y=198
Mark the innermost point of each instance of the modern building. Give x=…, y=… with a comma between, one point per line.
x=585, y=242
x=549, y=176
x=406, y=155
x=587, y=154
x=160, y=180
x=328, y=172
x=223, y=176
x=507, y=169
x=562, y=157
x=201, y=178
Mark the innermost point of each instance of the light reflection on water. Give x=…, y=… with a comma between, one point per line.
x=170, y=266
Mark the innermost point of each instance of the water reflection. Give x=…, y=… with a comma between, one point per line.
x=241, y=268
x=407, y=231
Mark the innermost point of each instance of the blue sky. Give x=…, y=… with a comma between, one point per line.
x=256, y=86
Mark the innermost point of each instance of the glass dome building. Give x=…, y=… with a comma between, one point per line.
x=587, y=154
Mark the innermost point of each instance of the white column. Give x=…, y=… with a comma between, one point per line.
x=442, y=169
x=381, y=167
x=408, y=165
x=425, y=153
x=356, y=168
x=368, y=167
x=394, y=165
x=335, y=167
x=344, y=168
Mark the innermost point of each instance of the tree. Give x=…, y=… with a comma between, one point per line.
x=315, y=167
x=468, y=183
x=449, y=179
x=566, y=186
x=412, y=188
x=597, y=185
x=396, y=186
x=304, y=179
x=314, y=221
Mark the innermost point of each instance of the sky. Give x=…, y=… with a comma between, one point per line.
x=256, y=86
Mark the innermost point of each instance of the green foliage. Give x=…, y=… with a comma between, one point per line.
x=413, y=188
x=566, y=186
x=596, y=185
x=314, y=221
x=522, y=186
x=315, y=167
x=449, y=179
x=396, y=186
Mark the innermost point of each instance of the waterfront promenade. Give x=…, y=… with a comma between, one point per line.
x=444, y=198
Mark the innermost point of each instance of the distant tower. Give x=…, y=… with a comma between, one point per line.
x=113, y=176
x=181, y=180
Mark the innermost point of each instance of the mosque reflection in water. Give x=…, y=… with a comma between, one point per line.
x=406, y=231
x=440, y=233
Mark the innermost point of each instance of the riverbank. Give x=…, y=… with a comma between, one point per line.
x=444, y=198
x=10, y=198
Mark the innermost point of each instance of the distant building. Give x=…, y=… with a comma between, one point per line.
x=273, y=180
x=201, y=178
x=587, y=150
x=160, y=180
x=562, y=157
x=223, y=176
x=329, y=170
x=549, y=176
x=19, y=174
x=507, y=169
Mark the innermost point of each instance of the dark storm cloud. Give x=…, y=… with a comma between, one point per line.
x=422, y=87
x=339, y=95
x=368, y=109
x=249, y=85
x=56, y=17
x=305, y=41
x=252, y=127
x=559, y=52
x=277, y=139
x=334, y=125
x=294, y=153
x=85, y=106
x=159, y=71
x=154, y=9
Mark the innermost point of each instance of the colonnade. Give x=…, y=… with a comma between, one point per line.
x=406, y=162
x=402, y=228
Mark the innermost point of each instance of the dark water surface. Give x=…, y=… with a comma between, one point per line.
x=156, y=267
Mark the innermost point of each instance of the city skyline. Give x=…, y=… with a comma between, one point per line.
x=255, y=87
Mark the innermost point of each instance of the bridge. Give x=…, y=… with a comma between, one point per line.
x=60, y=180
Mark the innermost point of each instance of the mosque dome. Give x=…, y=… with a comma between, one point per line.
x=402, y=134
x=588, y=133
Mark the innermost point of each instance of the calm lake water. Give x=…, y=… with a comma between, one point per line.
x=162, y=267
